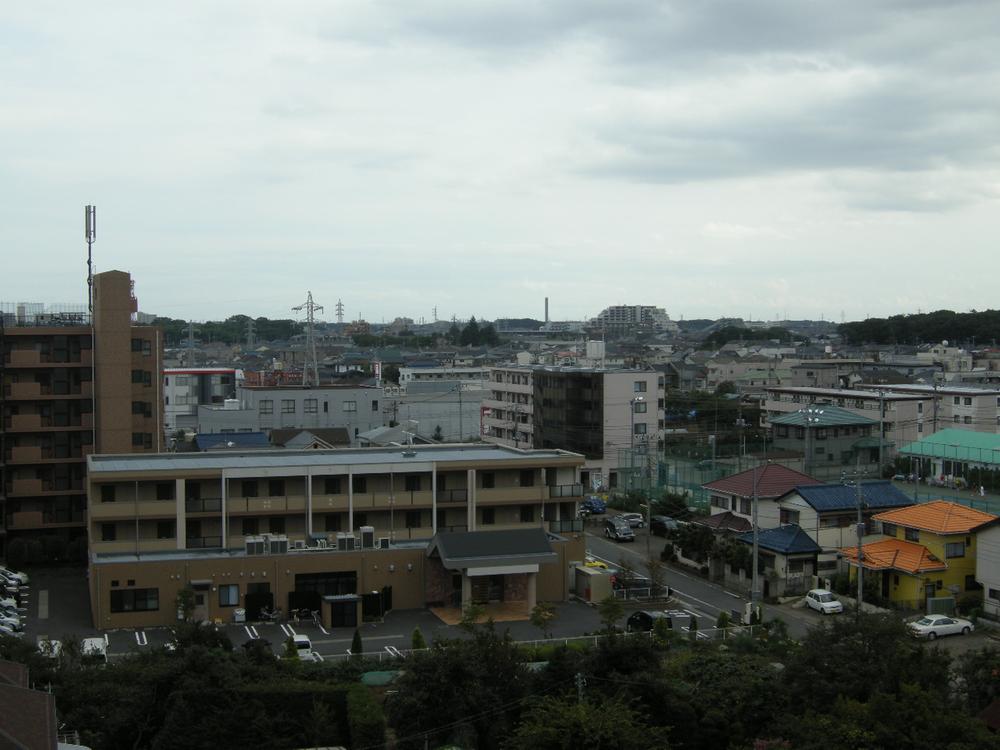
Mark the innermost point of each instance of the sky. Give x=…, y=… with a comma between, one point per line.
x=768, y=159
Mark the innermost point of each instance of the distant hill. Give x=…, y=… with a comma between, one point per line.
x=925, y=328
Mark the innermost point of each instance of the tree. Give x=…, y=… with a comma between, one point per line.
x=184, y=603
x=291, y=652
x=542, y=616
x=357, y=647
x=438, y=434
x=390, y=374
x=565, y=723
x=657, y=572
x=417, y=642
x=626, y=572
x=610, y=611
x=470, y=335
x=471, y=616
x=693, y=628
x=725, y=388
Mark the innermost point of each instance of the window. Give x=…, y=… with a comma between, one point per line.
x=720, y=502
x=266, y=406
x=310, y=406
x=527, y=478
x=287, y=406
x=920, y=407
x=251, y=526
x=350, y=406
x=821, y=433
x=277, y=525
x=359, y=485
x=136, y=439
x=967, y=401
x=789, y=516
x=275, y=487
x=745, y=508
x=796, y=566
x=374, y=405
x=955, y=419
x=956, y=400
x=954, y=549
x=107, y=493
x=639, y=428
x=413, y=519
x=489, y=516
x=639, y=386
x=331, y=485
x=165, y=530
x=360, y=519
x=229, y=594
x=164, y=490
x=912, y=535
x=326, y=407
x=527, y=514
x=248, y=488
x=135, y=600
x=889, y=529
x=142, y=408
x=489, y=480
x=108, y=532
x=137, y=376
x=639, y=407
x=994, y=594
x=967, y=420
x=413, y=483
x=142, y=345
x=442, y=517
x=332, y=522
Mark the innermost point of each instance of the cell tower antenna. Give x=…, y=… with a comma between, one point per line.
x=90, y=234
x=435, y=314
x=340, y=312
x=310, y=374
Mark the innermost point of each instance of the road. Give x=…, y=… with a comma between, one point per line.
x=703, y=598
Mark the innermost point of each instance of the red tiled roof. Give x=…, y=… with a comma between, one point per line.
x=895, y=554
x=773, y=480
x=725, y=521
x=938, y=516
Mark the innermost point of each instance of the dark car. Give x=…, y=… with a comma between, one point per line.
x=618, y=530
x=643, y=620
x=593, y=504
x=662, y=525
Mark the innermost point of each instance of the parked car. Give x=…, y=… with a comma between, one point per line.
x=5, y=630
x=824, y=601
x=662, y=525
x=11, y=621
x=644, y=620
x=21, y=578
x=594, y=505
x=94, y=649
x=303, y=647
x=591, y=562
x=932, y=626
x=635, y=520
x=617, y=529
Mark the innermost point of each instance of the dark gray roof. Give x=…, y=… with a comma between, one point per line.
x=834, y=497
x=463, y=549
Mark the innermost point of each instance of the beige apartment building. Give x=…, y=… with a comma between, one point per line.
x=423, y=525
x=70, y=389
x=959, y=407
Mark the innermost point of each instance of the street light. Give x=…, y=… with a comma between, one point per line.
x=810, y=417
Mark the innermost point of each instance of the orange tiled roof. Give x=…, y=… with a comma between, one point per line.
x=939, y=517
x=895, y=554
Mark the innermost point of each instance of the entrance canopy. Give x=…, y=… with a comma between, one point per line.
x=493, y=552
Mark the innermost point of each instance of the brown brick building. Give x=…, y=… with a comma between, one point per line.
x=69, y=389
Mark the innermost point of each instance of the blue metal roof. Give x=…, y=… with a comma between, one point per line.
x=827, y=497
x=207, y=441
x=789, y=539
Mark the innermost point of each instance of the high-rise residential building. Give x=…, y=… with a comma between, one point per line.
x=72, y=385
x=622, y=320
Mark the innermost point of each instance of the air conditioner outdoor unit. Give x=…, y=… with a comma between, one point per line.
x=254, y=545
x=278, y=545
x=321, y=543
x=345, y=541
x=383, y=542
x=299, y=544
x=367, y=537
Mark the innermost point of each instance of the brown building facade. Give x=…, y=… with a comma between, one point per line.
x=323, y=529
x=69, y=389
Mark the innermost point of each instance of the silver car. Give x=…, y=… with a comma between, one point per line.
x=932, y=626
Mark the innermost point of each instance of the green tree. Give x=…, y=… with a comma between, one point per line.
x=470, y=335
x=610, y=610
x=291, y=652
x=184, y=603
x=471, y=616
x=417, y=642
x=438, y=434
x=568, y=724
x=543, y=614
x=357, y=647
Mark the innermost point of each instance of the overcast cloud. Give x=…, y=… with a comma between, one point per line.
x=713, y=158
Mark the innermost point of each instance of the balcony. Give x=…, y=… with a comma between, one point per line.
x=399, y=499
x=36, y=358
x=36, y=519
x=128, y=547
x=265, y=504
x=203, y=542
x=203, y=505
x=559, y=491
x=452, y=496
x=25, y=454
x=500, y=495
x=567, y=526
x=126, y=509
x=18, y=487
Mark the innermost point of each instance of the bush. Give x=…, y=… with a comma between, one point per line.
x=357, y=648
x=366, y=722
x=723, y=620
x=417, y=641
x=969, y=601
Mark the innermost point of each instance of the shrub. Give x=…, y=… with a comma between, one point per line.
x=417, y=641
x=357, y=647
x=366, y=721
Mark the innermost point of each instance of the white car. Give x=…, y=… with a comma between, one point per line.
x=303, y=647
x=20, y=578
x=635, y=520
x=11, y=621
x=932, y=626
x=6, y=630
x=824, y=601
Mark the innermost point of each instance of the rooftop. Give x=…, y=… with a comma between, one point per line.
x=895, y=554
x=789, y=539
x=503, y=547
x=773, y=480
x=286, y=459
x=841, y=392
x=828, y=497
x=939, y=517
x=823, y=415
x=957, y=445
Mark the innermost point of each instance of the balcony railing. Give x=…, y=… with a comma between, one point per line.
x=203, y=542
x=452, y=496
x=567, y=526
x=566, y=490
x=203, y=505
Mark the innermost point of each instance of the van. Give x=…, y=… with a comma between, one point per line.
x=618, y=530
x=644, y=620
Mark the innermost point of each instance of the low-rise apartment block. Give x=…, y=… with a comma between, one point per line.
x=298, y=529
x=186, y=388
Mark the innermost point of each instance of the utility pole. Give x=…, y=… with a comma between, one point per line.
x=310, y=373
x=881, y=430
x=251, y=333
x=90, y=234
x=861, y=533
x=191, y=329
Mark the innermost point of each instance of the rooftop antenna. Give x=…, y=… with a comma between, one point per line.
x=340, y=312
x=310, y=374
x=90, y=234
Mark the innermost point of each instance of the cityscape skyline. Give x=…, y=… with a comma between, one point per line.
x=710, y=160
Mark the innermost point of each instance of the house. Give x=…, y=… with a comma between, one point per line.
x=927, y=551
x=787, y=559
x=829, y=439
x=988, y=568
x=734, y=494
x=828, y=513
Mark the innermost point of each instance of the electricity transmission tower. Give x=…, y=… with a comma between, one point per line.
x=251, y=334
x=191, y=330
x=310, y=373
x=340, y=312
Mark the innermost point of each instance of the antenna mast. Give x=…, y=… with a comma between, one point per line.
x=340, y=312
x=310, y=373
x=90, y=234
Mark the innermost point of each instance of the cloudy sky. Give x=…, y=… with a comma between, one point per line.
x=775, y=157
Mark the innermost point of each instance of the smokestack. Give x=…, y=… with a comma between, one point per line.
x=546, y=311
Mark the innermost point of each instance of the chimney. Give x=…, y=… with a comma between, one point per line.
x=546, y=311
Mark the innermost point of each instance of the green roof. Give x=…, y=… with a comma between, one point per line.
x=822, y=415
x=958, y=445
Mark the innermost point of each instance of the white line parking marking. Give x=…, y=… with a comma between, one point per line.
x=287, y=630
x=140, y=638
x=325, y=631
x=43, y=604
x=251, y=631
